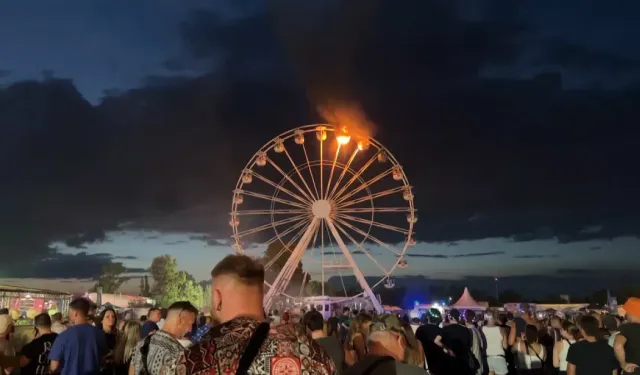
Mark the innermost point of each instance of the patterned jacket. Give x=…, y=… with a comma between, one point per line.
x=284, y=352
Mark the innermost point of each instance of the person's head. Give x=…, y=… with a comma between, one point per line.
x=589, y=327
x=154, y=315
x=556, y=322
x=491, y=317
x=345, y=310
x=108, y=318
x=570, y=331
x=610, y=323
x=4, y=311
x=531, y=334
x=433, y=316
x=631, y=310
x=79, y=311
x=180, y=318
x=502, y=319
x=42, y=322
x=234, y=276
x=208, y=320
x=360, y=324
x=56, y=318
x=454, y=315
x=415, y=321
x=387, y=342
x=313, y=321
x=143, y=318
x=92, y=309
x=598, y=317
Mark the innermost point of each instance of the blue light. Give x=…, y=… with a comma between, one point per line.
x=416, y=303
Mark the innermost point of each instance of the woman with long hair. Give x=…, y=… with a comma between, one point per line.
x=497, y=342
x=414, y=353
x=108, y=322
x=530, y=354
x=570, y=335
x=124, y=350
x=356, y=343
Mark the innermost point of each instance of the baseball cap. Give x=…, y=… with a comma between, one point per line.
x=384, y=322
x=5, y=323
x=632, y=306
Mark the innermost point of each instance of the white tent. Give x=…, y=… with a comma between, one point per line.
x=466, y=302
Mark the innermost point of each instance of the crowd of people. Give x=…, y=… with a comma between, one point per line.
x=241, y=338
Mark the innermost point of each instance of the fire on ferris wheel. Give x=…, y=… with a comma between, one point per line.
x=340, y=203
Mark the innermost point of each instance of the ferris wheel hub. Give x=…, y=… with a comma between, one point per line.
x=321, y=209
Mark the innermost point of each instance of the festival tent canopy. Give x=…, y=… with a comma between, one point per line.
x=466, y=302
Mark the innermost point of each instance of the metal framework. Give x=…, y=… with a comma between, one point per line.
x=332, y=201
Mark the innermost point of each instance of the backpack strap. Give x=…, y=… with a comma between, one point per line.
x=251, y=352
x=144, y=354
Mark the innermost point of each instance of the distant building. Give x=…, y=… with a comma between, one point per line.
x=121, y=300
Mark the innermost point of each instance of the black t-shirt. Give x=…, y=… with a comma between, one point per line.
x=592, y=358
x=373, y=365
x=333, y=347
x=458, y=338
x=631, y=332
x=38, y=353
x=437, y=359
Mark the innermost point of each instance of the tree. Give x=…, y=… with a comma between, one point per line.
x=163, y=269
x=509, y=296
x=181, y=288
x=171, y=285
x=313, y=288
x=147, y=290
x=273, y=252
x=111, y=278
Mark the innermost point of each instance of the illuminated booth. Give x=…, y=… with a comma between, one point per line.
x=25, y=303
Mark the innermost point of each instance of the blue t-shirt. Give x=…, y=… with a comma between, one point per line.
x=147, y=328
x=79, y=350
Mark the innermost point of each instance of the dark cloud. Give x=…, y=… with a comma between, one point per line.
x=580, y=57
x=531, y=256
x=594, y=248
x=65, y=266
x=466, y=255
x=436, y=256
x=519, y=155
x=574, y=271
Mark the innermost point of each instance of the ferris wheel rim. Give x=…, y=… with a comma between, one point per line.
x=284, y=136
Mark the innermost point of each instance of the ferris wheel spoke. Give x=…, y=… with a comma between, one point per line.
x=344, y=288
x=333, y=167
x=361, y=248
x=380, y=194
x=368, y=210
x=367, y=184
x=313, y=179
x=344, y=171
x=356, y=271
x=286, y=231
x=368, y=236
x=270, y=212
x=306, y=272
x=286, y=247
x=271, y=198
x=321, y=166
x=309, y=199
x=356, y=176
x=310, y=196
x=282, y=188
x=374, y=223
x=271, y=225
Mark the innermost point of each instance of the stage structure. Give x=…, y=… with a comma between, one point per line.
x=335, y=200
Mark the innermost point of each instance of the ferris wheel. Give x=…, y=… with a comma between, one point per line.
x=338, y=202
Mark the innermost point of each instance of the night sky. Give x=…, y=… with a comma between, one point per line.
x=125, y=125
